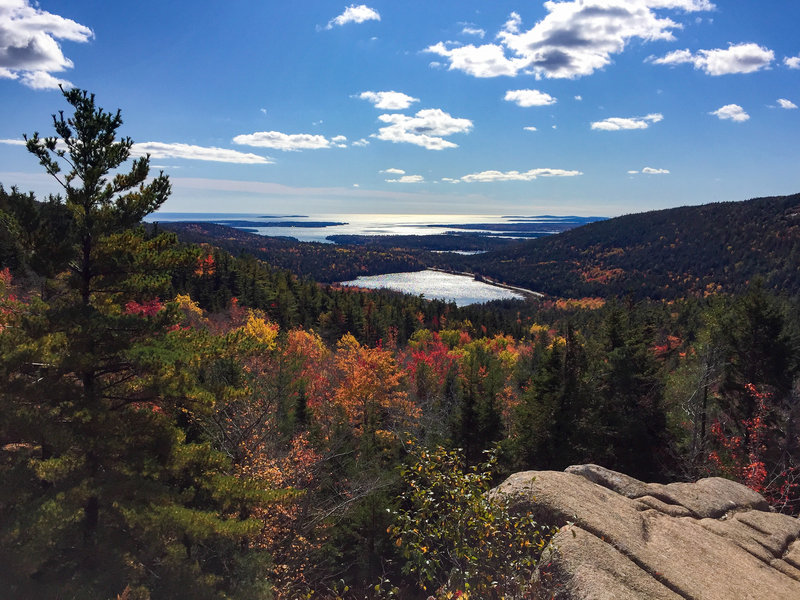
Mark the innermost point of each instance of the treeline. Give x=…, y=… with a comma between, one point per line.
x=321, y=262
x=665, y=254
x=442, y=242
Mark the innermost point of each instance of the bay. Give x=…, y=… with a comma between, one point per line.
x=317, y=227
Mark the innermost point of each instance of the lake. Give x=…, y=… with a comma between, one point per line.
x=461, y=289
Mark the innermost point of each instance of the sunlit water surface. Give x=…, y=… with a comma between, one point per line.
x=461, y=289
x=355, y=224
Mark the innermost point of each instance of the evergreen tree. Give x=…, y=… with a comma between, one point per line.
x=111, y=484
x=624, y=423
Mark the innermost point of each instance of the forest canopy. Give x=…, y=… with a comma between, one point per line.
x=176, y=415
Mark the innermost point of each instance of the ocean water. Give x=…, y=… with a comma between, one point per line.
x=360, y=224
x=461, y=289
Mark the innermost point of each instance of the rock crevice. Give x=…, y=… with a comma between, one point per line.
x=624, y=539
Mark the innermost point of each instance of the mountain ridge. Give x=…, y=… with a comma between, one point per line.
x=664, y=254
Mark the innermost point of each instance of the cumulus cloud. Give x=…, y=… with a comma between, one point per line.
x=361, y=143
x=190, y=152
x=650, y=171
x=787, y=104
x=574, y=39
x=427, y=128
x=793, y=62
x=29, y=47
x=407, y=179
x=42, y=80
x=737, y=58
x=389, y=100
x=531, y=128
x=620, y=123
x=488, y=60
x=287, y=142
x=732, y=112
x=393, y=171
x=489, y=176
x=528, y=98
x=354, y=14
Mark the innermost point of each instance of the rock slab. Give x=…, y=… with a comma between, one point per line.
x=623, y=539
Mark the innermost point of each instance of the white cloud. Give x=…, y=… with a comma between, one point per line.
x=361, y=143
x=793, y=62
x=578, y=98
x=263, y=111
x=29, y=50
x=42, y=80
x=472, y=30
x=287, y=142
x=354, y=14
x=407, y=179
x=427, y=128
x=488, y=60
x=389, y=100
x=574, y=39
x=393, y=171
x=737, y=58
x=650, y=171
x=531, y=128
x=513, y=23
x=526, y=98
x=787, y=104
x=733, y=112
x=620, y=123
x=187, y=151
x=339, y=141
x=489, y=176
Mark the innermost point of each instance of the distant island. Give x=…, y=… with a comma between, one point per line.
x=238, y=224
x=525, y=225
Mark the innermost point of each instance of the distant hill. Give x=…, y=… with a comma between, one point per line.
x=662, y=254
x=326, y=263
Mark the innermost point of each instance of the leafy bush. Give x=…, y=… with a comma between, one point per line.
x=458, y=539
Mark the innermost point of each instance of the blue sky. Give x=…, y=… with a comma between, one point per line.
x=592, y=107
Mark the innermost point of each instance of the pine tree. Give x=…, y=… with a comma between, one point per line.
x=112, y=483
x=625, y=420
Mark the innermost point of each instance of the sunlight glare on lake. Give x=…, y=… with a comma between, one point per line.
x=461, y=289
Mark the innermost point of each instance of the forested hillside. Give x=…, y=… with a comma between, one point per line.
x=671, y=253
x=177, y=421
x=321, y=262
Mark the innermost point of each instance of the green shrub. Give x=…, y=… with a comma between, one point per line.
x=457, y=539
